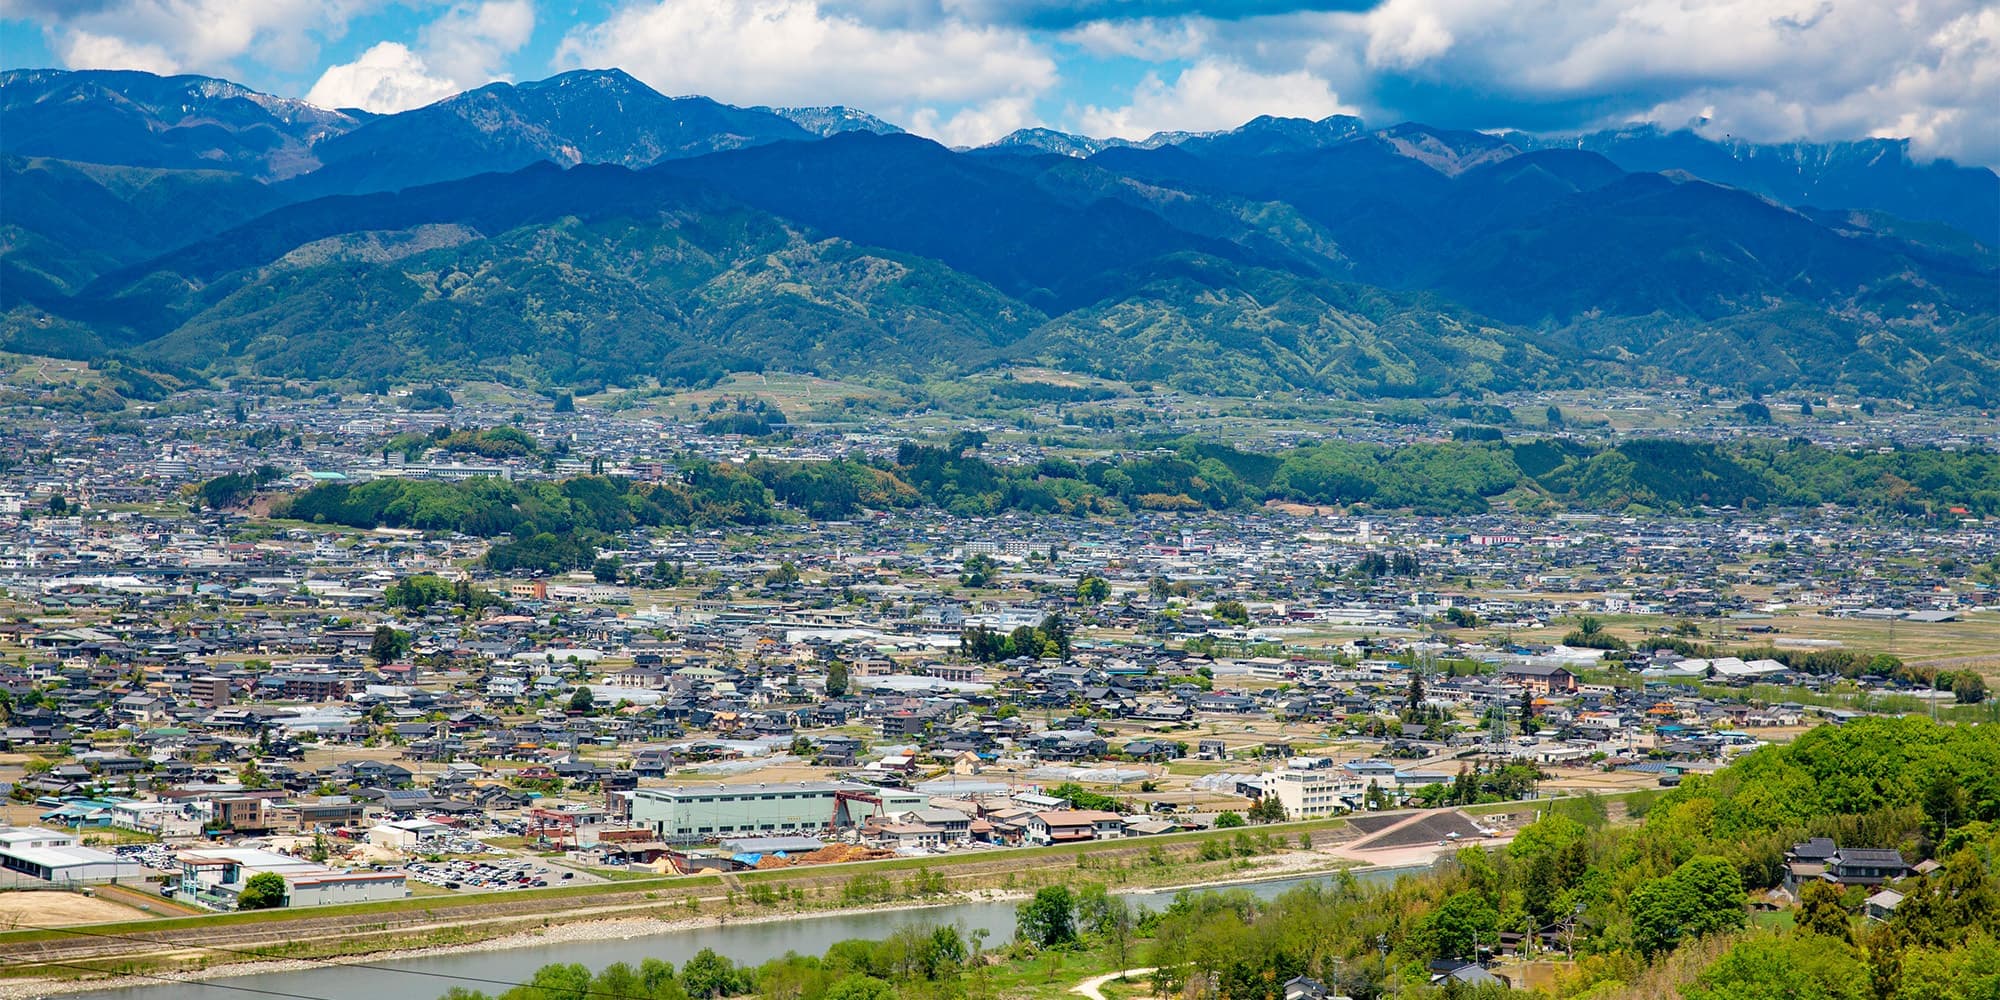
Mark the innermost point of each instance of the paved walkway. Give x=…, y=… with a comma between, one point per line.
x=1093, y=988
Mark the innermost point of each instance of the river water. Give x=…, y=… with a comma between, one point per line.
x=747, y=944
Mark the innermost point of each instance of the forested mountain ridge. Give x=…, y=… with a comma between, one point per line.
x=587, y=116
x=130, y=118
x=690, y=238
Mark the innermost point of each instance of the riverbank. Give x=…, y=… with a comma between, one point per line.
x=1277, y=869
x=615, y=929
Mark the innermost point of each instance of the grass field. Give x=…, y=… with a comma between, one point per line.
x=1972, y=642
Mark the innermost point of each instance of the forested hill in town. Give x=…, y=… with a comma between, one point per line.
x=586, y=228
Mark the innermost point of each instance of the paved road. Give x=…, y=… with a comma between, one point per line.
x=1093, y=988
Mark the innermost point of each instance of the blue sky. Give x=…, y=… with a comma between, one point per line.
x=968, y=71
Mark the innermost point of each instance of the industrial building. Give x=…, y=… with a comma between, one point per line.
x=691, y=814
x=55, y=856
x=215, y=877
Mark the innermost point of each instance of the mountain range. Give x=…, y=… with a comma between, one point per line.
x=587, y=228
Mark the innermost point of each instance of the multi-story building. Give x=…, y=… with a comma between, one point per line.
x=1313, y=792
x=209, y=691
x=690, y=814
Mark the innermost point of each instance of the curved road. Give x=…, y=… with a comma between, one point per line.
x=1093, y=988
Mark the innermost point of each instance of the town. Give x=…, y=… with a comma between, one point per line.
x=200, y=691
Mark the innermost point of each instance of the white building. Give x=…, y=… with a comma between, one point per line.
x=55, y=856
x=161, y=819
x=217, y=876
x=1314, y=792
x=407, y=834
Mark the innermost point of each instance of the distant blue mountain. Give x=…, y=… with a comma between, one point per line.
x=588, y=226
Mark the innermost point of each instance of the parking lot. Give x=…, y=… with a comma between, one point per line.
x=158, y=857
x=489, y=876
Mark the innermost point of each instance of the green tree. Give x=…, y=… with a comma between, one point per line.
x=784, y=576
x=1108, y=917
x=979, y=571
x=1229, y=821
x=1049, y=919
x=1702, y=896
x=417, y=592
x=1770, y=966
x=606, y=570
x=1459, y=926
x=252, y=777
x=1093, y=589
x=860, y=986
x=1821, y=911
x=1970, y=687
x=582, y=701
x=1267, y=810
x=1055, y=634
x=836, y=678
x=388, y=644
x=264, y=891
x=1233, y=612
x=1944, y=806
x=708, y=975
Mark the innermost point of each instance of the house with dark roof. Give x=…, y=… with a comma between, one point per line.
x=1865, y=866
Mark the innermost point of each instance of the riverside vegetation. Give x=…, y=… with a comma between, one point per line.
x=1657, y=907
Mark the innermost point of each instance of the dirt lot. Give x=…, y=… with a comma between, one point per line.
x=58, y=908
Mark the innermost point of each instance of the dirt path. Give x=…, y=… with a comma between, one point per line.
x=1093, y=988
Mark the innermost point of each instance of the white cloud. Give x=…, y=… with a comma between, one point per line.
x=1768, y=69
x=188, y=36
x=1213, y=94
x=1403, y=34
x=1946, y=102
x=797, y=52
x=975, y=125
x=471, y=42
x=84, y=50
x=1772, y=70
x=1151, y=39
x=464, y=48
x=387, y=78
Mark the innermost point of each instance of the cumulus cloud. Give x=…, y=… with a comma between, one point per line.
x=1151, y=39
x=465, y=47
x=1060, y=15
x=387, y=78
x=1761, y=69
x=85, y=50
x=186, y=36
x=975, y=125
x=472, y=41
x=799, y=52
x=1213, y=94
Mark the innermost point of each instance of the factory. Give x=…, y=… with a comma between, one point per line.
x=695, y=813
x=216, y=878
x=57, y=857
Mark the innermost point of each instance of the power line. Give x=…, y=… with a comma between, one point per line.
x=262, y=956
x=191, y=982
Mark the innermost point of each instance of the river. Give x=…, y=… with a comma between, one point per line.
x=494, y=972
